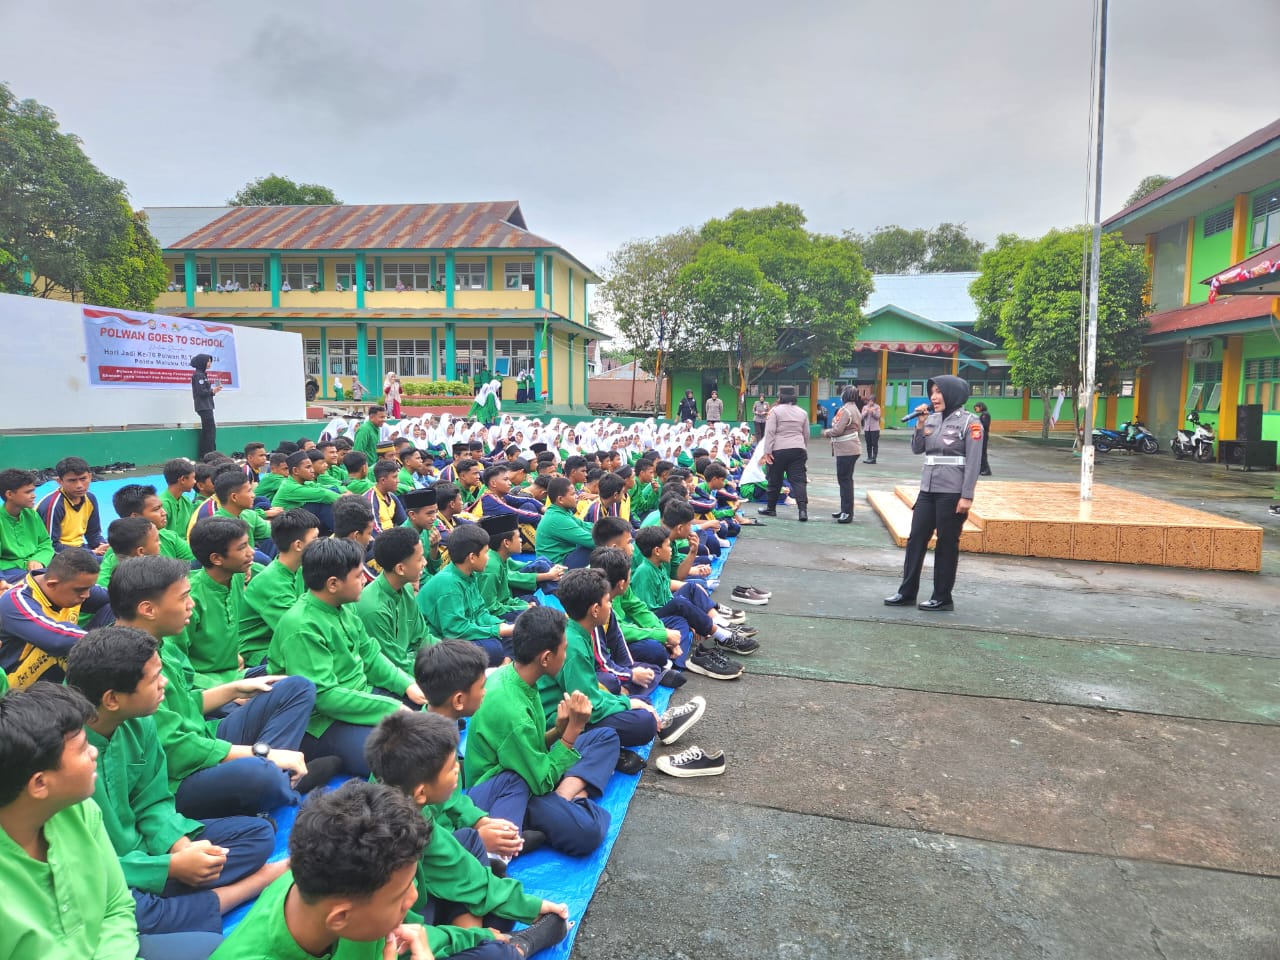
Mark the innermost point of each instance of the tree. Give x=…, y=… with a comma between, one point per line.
x=60, y=216
x=1147, y=186
x=894, y=249
x=132, y=273
x=1040, y=321
x=275, y=190
x=951, y=249
x=1000, y=267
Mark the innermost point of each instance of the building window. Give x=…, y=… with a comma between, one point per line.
x=299, y=274
x=471, y=356
x=345, y=275
x=246, y=273
x=409, y=358
x=1205, y=389
x=466, y=275
x=344, y=358
x=1219, y=222
x=519, y=355
x=204, y=275
x=1262, y=383
x=311, y=357
x=1266, y=220
x=412, y=276
x=769, y=388
x=1169, y=271
x=518, y=275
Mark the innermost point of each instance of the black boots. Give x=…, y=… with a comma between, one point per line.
x=802, y=512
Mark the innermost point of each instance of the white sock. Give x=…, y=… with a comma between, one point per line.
x=721, y=634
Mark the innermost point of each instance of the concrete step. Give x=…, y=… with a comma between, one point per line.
x=895, y=510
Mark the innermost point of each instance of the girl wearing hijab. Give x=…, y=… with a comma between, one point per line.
x=950, y=437
x=846, y=445
x=202, y=393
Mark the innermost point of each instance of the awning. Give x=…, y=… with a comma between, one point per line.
x=936, y=348
x=1259, y=275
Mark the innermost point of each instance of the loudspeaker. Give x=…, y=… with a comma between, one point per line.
x=1249, y=421
x=1248, y=454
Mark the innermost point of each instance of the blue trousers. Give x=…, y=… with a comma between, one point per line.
x=574, y=827
x=197, y=945
x=439, y=912
x=681, y=626
x=183, y=909
x=496, y=648
x=345, y=740
x=634, y=727
x=504, y=797
x=490, y=950
x=686, y=609
x=578, y=557
x=252, y=785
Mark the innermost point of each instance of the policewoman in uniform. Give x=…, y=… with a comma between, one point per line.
x=950, y=438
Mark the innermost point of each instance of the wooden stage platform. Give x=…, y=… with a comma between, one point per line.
x=1050, y=520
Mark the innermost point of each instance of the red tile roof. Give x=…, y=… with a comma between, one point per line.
x=420, y=226
x=1234, y=152
x=1196, y=316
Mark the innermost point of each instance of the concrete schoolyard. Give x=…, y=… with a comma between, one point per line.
x=1080, y=761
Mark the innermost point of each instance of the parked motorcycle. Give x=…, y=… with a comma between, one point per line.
x=1132, y=436
x=1196, y=443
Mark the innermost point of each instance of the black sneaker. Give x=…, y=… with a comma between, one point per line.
x=629, y=762
x=729, y=614
x=764, y=593
x=738, y=644
x=673, y=723
x=743, y=630
x=707, y=661
x=749, y=596
x=673, y=679
x=693, y=763
x=548, y=930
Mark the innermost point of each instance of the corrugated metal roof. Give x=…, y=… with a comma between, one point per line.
x=170, y=224
x=941, y=297
x=1200, y=315
x=387, y=226
x=628, y=371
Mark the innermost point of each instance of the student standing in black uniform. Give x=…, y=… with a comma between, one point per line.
x=951, y=440
x=202, y=392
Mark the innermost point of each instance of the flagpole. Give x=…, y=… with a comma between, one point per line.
x=1087, y=451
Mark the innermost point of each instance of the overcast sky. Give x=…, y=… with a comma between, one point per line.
x=610, y=121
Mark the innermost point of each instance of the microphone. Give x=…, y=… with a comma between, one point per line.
x=915, y=415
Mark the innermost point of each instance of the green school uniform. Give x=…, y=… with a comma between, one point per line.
x=651, y=584
x=332, y=649
x=636, y=620
x=448, y=872
x=393, y=619
x=454, y=608
x=267, y=597
x=366, y=441
x=579, y=673
x=458, y=811
x=22, y=539
x=294, y=494
x=406, y=482
x=494, y=585
x=259, y=526
x=508, y=732
x=213, y=635
x=559, y=532
x=518, y=580
x=359, y=485
x=188, y=738
x=137, y=805
x=178, y=510
x=74, y=904
x=264, y=935
x=335, y=477
x=269, y=484
x=172, y=544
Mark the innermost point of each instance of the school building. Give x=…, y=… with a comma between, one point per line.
x=433, y=291
x=1212, y=357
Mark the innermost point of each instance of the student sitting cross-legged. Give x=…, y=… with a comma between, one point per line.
x=244, y=763
x=563, y=538
x=180, y=480
x=233, y=497
x=128, y=537
x=388, y=607
x=71, y=513
x=451, y=600
x=459, y=896
x=140, y=500
x=353, y=854
x=564, y=767
x=299, y=489
x=39, y=617
x=184, y=873
x=323, y=638
x=223, y=548
x=274, y=589
x=24, y=541
x=494, y=581
x=64, y=892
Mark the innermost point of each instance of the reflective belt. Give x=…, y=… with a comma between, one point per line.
x=931, y=460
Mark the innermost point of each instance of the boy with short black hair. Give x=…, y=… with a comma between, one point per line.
x=244, y=763
x=269, y=482
x=299, y=489
x=353, y=854
x=25, y=543
x=221, y=545
x=129, y=537
x=463, y=902
x=642, y=668
x=608, y=502
x=565, y=767
x=387, y=510
x=233, y=496
x=273, y=590
x=71, y=513
x=64, y=892
x=387, y=606
x=563, y=537
x=323, y=638
x=357, y=466
x=204, y=471
x=184, y=873
x=451, y=600
x=180, y=480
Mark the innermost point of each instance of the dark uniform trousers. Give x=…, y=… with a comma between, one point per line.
x=933, y=511
x=794, y=464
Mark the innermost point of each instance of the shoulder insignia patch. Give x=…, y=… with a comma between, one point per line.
x=975, y=430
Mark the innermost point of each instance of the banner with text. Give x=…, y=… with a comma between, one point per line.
x=149, y=351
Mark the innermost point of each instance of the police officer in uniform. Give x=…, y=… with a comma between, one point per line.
x=950, y=438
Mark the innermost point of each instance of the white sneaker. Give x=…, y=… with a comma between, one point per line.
x=693, y=763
